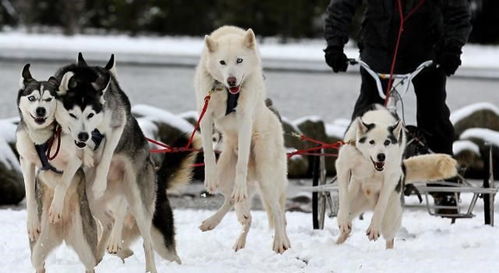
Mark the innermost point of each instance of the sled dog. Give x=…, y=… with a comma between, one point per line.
x=57, y=205
x=371, y=173
x=253, y=156
x=95, y=111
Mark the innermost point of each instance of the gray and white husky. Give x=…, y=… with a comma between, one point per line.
x=56, y=201
x=95, y=111
x=371, y=173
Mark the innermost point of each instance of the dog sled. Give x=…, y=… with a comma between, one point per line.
x=325, y=190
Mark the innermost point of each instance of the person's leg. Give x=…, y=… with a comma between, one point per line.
x=432, y=111
x=433, y=120
x=368, y=94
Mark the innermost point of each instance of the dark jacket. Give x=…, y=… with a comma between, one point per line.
x=436, y=25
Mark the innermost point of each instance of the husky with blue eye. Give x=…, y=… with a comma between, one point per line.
x=56, y=201
x=125, y=193
x=371, y=173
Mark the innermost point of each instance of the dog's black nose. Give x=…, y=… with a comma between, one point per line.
x=40, y=111
x=381, y=157
x=83, y=137
x=231, y=81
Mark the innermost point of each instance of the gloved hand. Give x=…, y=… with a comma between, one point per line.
x=449, y=58
x=335, y=58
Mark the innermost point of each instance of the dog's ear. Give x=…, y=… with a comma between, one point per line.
x=111, y=65
x=396, y=130
x=363, y=127
x=25, y=77
x=249, y=39
x=101, y=86
x=80, y=61
x=67, y=83
x=211, y=44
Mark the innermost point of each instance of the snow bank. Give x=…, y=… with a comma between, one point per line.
x=7, y=156
x=155, y=114
x=425, y=244
x=486, y=135
x=465, y=145
x=301, y=120
x=8, y=129
x=474, y=56
x=337, y=128
x=466, y=111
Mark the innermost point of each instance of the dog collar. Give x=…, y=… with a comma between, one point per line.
x=97, y=138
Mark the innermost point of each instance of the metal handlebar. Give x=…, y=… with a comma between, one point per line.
x=378, y=76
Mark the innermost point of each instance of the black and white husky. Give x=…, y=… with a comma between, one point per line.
x=97, y=114
x=57, y=204
x=371, y=173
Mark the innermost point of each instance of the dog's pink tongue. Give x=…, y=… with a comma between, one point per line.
x=234, y=90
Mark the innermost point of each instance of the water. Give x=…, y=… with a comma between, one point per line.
x=295, y=94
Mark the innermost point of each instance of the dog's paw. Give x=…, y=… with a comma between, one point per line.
x=373, y=233
x=124, y=253
x=239, y=194
x=55, y=212
x=114, y=245
x=281, y=244
x=240, y=243
x=33, y=227
x=209, y=224
x=344, y=224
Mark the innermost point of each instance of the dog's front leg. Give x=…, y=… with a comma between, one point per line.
x=344, y=224
x=210, y=178
x=57, y=205
x=240, y=191
x=33, y=223
x=101, y=171
x=389, y=184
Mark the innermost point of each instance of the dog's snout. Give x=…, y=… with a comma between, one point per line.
x=83, y=137
x=231, y=81
x=40, y=111
x=381, y=157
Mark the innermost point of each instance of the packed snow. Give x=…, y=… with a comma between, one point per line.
x=486, y=135
x=159, y=115
x=465, y=145
x=474, y=56
x=337, y=128
x=425, y=244
x=466, y=111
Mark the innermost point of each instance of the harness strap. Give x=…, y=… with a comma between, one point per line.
x=97, y=138
x=41, y=150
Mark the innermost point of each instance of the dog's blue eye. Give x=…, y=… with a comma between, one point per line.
x=372, y=142
x=387, y=142
x=31, y=98
x=72, y=115
x=239, y=60
x=222, y=62
x=90, y=115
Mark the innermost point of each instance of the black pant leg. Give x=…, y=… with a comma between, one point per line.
x=368, y=94
x=432, y=111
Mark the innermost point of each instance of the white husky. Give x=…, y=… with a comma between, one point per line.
x=370, y=171
x=253, y=154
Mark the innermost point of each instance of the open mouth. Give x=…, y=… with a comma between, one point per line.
x=80, y=145
x=234, y=90
x=39, y=120
x=378, y=166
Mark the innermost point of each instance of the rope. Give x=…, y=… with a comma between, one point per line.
x=397, y=44
x=57, y=135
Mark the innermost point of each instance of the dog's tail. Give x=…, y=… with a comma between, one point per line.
x=175, y=171
x=429, y=167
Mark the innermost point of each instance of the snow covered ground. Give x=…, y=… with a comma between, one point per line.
x=474, y=56
x=425, y=244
